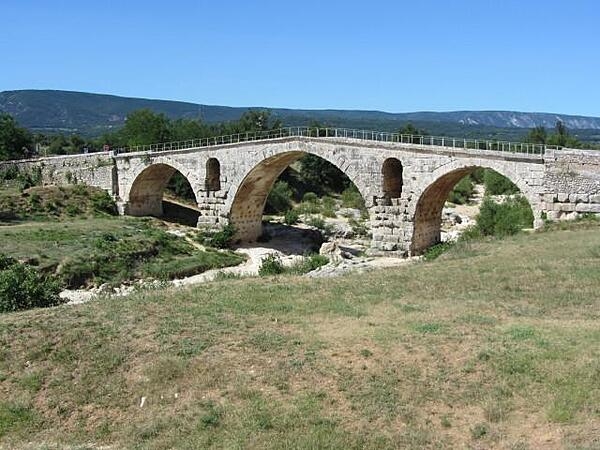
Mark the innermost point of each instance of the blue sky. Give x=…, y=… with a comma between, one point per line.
x=386, y=55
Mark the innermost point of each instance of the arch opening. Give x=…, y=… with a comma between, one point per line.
x=160, y=190
x=212, y=180
x=501, y=196
x=302, y=177
x=392, y=178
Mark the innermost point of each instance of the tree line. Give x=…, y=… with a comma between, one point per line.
x=144, y=127
x=141, y=127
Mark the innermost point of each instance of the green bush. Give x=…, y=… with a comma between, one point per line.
x=328, y=206
x=291, y=217
x=9, y=173
x=504, y=219
x=308, y=208
x=477, y=175
x=310, y=197
x=220, y=239
x=436, y=250
x=102, y=202
x=462, y=192
x=496, y=184
x=22, y=287
x=351, y=198
x=27, y=179
x=270, y=265
x=358, y=228
x=280, y=198
x=308, y=264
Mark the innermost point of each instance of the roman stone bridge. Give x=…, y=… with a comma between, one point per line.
x=404, y=180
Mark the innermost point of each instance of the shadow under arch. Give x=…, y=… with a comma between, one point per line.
x=428, y=211
x=251, y=196
x=147, y=190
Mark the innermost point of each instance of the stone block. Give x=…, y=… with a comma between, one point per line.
x=564, y=206
x=562, y=197
x=587, y=207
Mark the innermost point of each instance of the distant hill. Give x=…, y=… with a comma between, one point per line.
x=93, y=114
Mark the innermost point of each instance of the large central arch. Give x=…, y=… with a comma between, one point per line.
x=428, y=211
x=249, y=202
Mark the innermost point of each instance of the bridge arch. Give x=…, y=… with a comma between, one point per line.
x=247, y=206
x=428, y=209
x=145, y=197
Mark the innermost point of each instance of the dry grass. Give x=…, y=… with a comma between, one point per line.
x=494, y=345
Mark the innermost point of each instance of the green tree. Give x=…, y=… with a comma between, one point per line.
x=15, y=142
x=144, y=127
x=258, y=120
x=537, y=135
x=409, y=128
x=184, y=129
x=562, y=137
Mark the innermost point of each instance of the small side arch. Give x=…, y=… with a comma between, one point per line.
x=392, y=178
x=212, y=180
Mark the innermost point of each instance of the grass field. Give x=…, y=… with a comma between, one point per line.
x=493, y=345
x=71, y=232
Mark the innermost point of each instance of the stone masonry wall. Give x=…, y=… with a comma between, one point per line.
x=572, y=183
x=93, y=169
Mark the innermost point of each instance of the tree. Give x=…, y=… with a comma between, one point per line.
x=184, y=129
x=409, y=128
x=537, y=135
x=256, y=120
x=144, y=127
x=562, y=137
x=15, y=142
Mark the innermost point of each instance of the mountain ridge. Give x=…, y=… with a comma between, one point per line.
x=93, y=114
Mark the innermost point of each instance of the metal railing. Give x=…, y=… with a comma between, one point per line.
x=346, y=133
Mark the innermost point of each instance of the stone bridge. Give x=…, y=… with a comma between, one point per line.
x=403, y=180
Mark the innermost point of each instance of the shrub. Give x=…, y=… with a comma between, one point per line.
x=270, y=265
x=358, y=228
x=308, y=208
x=496, y=184
x=310, y=197
x=102, y=202
x=316, y=222
x=291, y=217
x=27, y=179
x=477, y=175
x=22, y=287
x=351, y=198
x=280, y=198
x=436, y=250
x=9, y=173
x=220, y=239
x=310, y=263
x=504, y=219
x=328, y=207
x=462, y=192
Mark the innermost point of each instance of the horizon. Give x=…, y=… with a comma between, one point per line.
x=432, y=56
x=303, y=109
